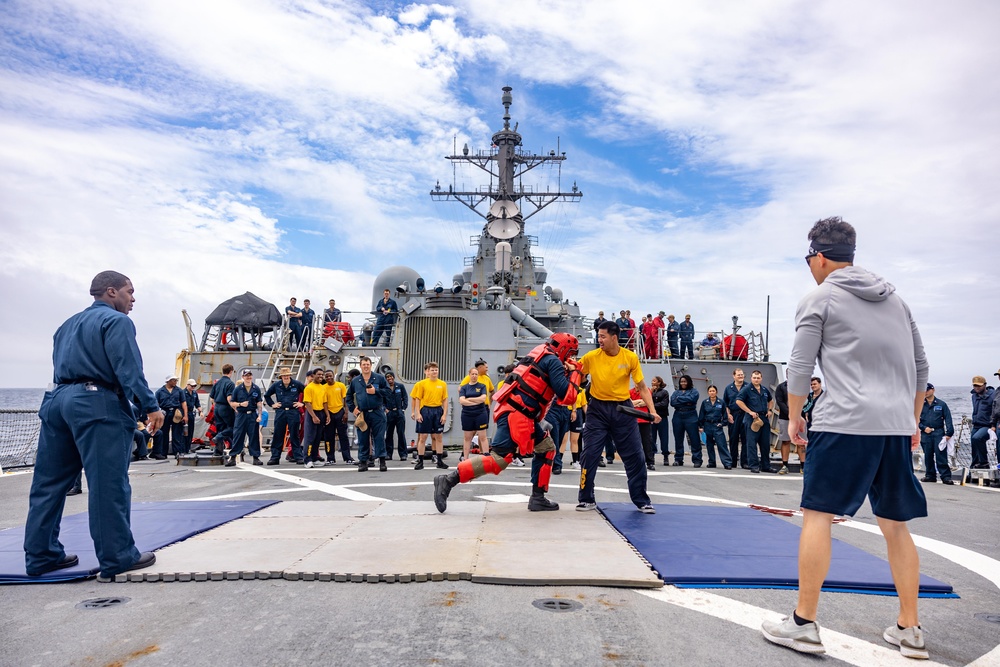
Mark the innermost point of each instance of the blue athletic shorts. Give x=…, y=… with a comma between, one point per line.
x=431, y=420
x=475, y=420
x=843, y=469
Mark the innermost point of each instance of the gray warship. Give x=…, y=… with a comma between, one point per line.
x=496, y=309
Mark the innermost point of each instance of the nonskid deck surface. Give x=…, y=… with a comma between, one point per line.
x=405, y=542
x=280, y=622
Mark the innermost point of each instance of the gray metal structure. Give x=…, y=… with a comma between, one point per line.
x=497, y=309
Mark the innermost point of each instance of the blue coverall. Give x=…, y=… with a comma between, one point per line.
x=88, y=422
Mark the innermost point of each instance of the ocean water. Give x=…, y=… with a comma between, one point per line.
x=24, y=399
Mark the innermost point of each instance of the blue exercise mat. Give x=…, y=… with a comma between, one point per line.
x=154, y=525
x=738, y=547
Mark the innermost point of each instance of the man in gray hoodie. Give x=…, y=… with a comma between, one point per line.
x=864, y=428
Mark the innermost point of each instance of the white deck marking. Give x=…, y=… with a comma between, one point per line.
x=506, y=498
x=243, y=494
x=838, y=645
x=843, y=647
x=338, y=491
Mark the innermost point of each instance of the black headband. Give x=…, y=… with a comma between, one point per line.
x=835, y=252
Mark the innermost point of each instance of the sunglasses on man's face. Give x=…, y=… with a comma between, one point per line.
x=812, y=253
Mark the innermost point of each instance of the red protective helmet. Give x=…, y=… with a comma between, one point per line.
x=564, y=345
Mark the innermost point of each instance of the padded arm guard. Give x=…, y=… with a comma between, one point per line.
x=575, y=377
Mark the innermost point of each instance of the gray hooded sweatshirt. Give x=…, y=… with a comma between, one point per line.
x=869, y=352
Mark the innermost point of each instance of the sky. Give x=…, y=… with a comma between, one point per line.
x=288, y=147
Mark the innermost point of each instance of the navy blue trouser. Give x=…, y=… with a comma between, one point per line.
x=312, y=434
x=286, y=421
x=169, y=433
x=661, y=433
x=92, y=430
x=339, y=426
x=246, y=427
x=395, y=429
x=605, y=424
x=372, y=438
x=715, y=438
x=686, y=423
x=980, y=454
x=675, y=348
x=224, y=421
x=934, y=457
x=559, y=419
x=737, y=434
x=758, y=445
x=687, y=347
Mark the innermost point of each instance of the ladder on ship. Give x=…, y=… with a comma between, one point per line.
x=284, y=353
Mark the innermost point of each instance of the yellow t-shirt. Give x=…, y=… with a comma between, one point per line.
x=581, y=400
x=483, y=379
x=335, y=395
x=430, y=393
x=609, y=376
x=315, y=395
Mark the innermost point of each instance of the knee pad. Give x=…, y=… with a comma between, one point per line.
x=544, y=446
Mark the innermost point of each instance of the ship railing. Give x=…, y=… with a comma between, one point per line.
x=19, y=430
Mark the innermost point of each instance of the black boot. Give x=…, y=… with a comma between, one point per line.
x=75, y=491
x=539, y=503
x=382, y=466
x=440, y=463
x=420, y=463
x=363, y=466
x=443, y=484
x=231, y=462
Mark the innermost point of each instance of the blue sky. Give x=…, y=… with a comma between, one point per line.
x=288, y=148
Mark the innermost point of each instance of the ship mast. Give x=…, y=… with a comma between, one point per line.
x=504, y=264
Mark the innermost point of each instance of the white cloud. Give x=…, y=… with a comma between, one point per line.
x=177, y=141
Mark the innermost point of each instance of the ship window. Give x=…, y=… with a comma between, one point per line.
x=440, y=339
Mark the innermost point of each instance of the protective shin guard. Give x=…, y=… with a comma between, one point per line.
x=477, y=466
x=545, y=473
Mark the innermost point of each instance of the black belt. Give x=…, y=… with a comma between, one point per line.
x=284, y=408
x=247, y=412
x=601, y=400
x=98, y=383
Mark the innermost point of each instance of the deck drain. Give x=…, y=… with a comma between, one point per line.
x=101, y=603
x=989, y=618
x=557, y=604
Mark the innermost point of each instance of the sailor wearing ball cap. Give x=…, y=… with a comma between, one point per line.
x=982, y=424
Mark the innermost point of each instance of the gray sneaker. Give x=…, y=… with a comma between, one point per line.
x=802, y=638
x=647, y=509
x=910, y=641
x=783, y=470
x=586, y=507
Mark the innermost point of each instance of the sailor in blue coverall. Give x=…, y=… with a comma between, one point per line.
x=935, y=424
x=88, y=422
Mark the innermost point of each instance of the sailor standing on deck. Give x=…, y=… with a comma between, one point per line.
x=367, y=395
x=88, y=422
x=223, y=416
x=610, y=368
x=387, y=312
x=935, y=424
x=247, y=400
x=283, y=397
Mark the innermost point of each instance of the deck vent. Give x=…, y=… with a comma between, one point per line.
x=441, y=339
x=558, y=605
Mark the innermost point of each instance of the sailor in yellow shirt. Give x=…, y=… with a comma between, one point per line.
x=336, y=428
x=314, y=397
x=610, y=368
x=577, y=417
x=429, y=408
